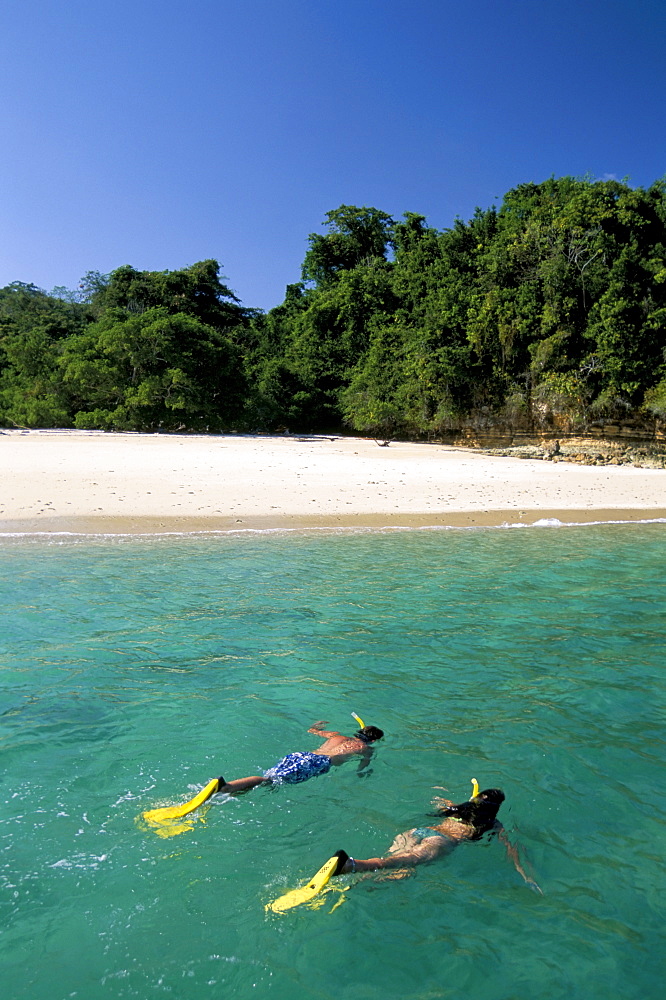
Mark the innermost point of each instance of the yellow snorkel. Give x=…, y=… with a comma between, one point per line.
x=475, y=788
x=360, y=721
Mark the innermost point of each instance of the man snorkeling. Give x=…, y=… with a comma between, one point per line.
x=466, y=821
x=296, y=767
x=291, y=769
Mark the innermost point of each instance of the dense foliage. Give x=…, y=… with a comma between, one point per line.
x=549, y=311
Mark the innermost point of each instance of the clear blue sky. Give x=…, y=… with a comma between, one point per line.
x=161, y=133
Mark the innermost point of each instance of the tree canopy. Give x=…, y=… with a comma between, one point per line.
x=549, y=310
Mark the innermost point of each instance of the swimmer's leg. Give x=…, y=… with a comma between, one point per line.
x=393, y=876
x=418, y=855
x=243, y=784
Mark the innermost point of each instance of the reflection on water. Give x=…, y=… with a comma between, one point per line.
x=135, y=670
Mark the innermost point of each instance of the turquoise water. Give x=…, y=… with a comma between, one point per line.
x=134, y=670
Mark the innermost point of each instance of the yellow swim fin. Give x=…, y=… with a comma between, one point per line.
x=173, y=827
x=175, y=812
x=324, y=898
x=318, y=881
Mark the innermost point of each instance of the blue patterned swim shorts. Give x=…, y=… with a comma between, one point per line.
x=297, y=767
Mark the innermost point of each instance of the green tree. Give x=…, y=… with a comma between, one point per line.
x=356, y=237
x=195, y=291
x=33, y=328
x=330, y=335
x=153, y=370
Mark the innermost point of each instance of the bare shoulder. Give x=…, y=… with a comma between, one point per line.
x=454, y=829
x=353, y=745
x=339, y=744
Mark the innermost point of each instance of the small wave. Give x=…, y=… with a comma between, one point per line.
x=554, y=522
x=63, y=537
x=92, y=861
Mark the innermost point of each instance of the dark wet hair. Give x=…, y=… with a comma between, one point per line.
x=369, y=734
x=479, y=812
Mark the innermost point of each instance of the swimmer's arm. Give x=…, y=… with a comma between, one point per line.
x=318, y=731
x=439, y=803
x=364, y=762
x=512, y=853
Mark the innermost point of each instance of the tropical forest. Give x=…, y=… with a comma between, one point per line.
x=546, y=314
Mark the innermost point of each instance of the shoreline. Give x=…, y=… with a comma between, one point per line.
x=123, y=526
x=91, y=482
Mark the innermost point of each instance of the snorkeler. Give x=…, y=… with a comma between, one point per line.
x=291, y=769
x=296, y=767
x=466, y=821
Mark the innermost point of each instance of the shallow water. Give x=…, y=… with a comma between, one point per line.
x=134, y=670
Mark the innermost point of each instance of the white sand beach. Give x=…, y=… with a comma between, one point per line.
x=88, y=481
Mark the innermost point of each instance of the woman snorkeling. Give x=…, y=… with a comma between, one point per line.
x=466, y=821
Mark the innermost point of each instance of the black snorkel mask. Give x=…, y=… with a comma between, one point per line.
x=369, y=734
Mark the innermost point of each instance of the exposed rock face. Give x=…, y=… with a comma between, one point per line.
x=587, y=451
x=632, y=441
